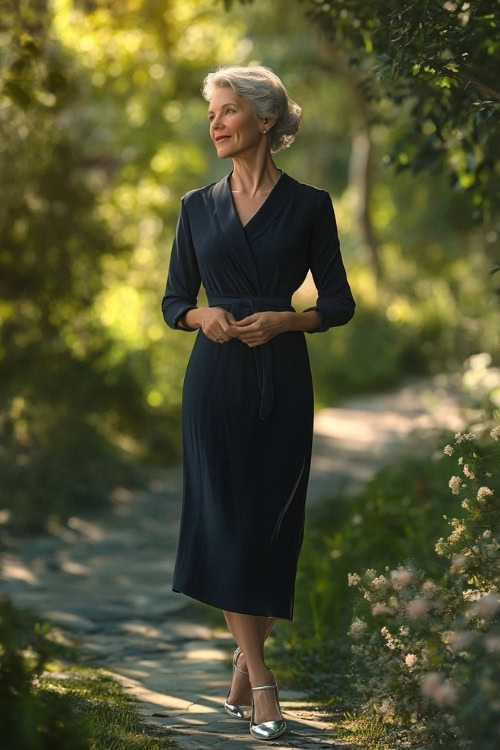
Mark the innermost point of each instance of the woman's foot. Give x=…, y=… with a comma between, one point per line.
x=241, y=690
x=267, y=707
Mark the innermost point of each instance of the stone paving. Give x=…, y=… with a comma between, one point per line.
x=105, y=578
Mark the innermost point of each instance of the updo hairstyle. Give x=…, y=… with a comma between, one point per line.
x=267, y=96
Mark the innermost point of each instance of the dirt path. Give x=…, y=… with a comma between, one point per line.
x=107, y=578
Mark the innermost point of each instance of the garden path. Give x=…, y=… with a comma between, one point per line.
x=104, y=578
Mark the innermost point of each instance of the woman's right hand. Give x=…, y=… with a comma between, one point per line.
x=217, y=323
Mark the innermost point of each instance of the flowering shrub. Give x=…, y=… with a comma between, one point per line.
x=426, y=653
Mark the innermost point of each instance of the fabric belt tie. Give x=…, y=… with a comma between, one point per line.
x=263, y=360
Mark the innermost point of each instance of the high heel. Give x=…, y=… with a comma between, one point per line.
x=234, y=710
x=267, y=730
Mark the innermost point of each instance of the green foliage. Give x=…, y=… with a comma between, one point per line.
x=394, y=518
x=440, y=62
x=389, y=521
x=370, y=353
x=75, y=406
x=103, y=128
x=432, y=671
x=50, y=701
x=43, y=476
x=31, y=719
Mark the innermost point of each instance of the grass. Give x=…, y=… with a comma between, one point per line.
x=367, y=732
x=109, y=715
x=53, y=700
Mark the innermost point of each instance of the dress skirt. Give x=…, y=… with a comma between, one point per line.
x=245, y=478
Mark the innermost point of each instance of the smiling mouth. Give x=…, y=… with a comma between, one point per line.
x=222, y=138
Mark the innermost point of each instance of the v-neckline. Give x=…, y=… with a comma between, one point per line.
x=244, y=226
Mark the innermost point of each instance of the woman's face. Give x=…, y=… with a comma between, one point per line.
x=232, y=119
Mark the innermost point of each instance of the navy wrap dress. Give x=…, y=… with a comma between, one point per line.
x=247, y=412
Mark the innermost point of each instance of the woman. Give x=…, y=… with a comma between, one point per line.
x=247, y=401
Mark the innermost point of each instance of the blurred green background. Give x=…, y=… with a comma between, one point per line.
x=103, y=128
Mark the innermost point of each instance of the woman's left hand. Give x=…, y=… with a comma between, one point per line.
x=259, y=327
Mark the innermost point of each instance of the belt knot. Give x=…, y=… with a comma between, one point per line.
x=262, y=353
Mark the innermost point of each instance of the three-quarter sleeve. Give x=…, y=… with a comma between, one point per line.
x=183, y=278
x=335, y=301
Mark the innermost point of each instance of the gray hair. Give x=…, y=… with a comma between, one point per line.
x=266, y=94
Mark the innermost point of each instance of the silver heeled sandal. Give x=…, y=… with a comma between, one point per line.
x=267, y=730
x=237, y=712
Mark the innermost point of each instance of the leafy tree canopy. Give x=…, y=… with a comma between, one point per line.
x=439, y=59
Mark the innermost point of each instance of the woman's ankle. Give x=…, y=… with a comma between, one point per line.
x=242, y=662
x=261, y=676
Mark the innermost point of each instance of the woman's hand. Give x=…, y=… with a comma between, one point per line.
x=216, y=323
x=259, y=327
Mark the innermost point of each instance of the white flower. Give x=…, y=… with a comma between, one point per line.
x=393, y=602
x=486, y=534
x=483, y=492
x=380, y=582
x=448, y=450
x=353, y=579
x=404, y=630
x=492, y=643
x=443, y=692
x=439, y=546
x=410, y=660
x=370, y=573
x=418, y=607
x=357, y=627
x=459, y=641
x=495, y=432
x=471, y=595
x=488, y=473
x=468, y=473
x=379, y=608
x=401, y=578
x=458, y=562
x=460, y=437
x=466, y=503
x=454, y=484
x=429, y=588
x=484, y=607
x=461, y=460
x=456, y=533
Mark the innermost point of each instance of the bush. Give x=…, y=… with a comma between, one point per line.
x=432, y=671
x=32, y=719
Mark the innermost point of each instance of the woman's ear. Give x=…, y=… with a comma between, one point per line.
x=269, y=123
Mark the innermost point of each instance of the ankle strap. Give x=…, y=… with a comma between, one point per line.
x=236, y=656
x=263, y=687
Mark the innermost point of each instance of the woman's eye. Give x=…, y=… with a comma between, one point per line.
x=229, y=109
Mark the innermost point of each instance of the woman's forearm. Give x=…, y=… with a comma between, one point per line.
x=192, y=318
x=302, y=321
